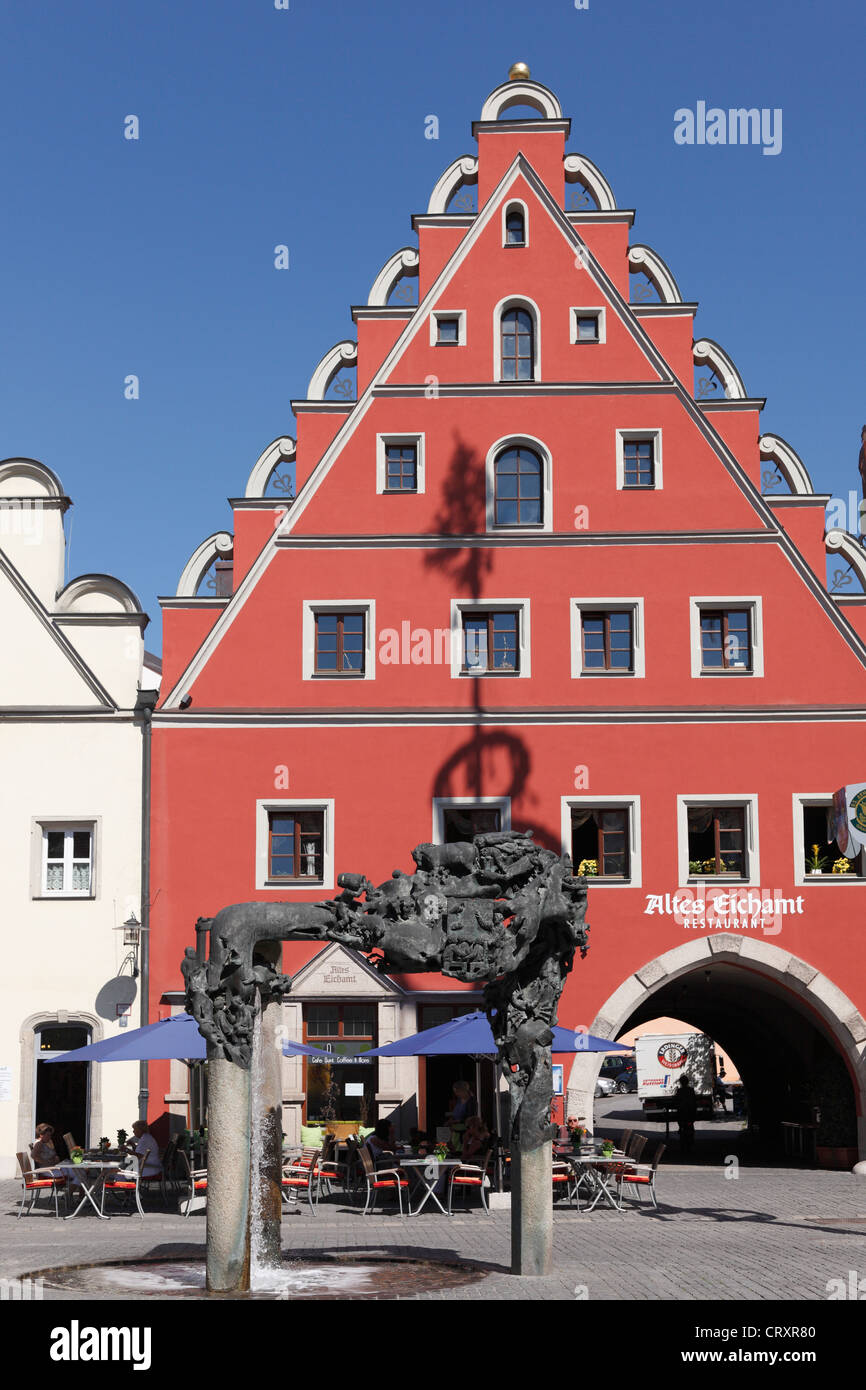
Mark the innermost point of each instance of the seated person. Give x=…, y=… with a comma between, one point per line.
x=476, y=1141
x=43, y=1152
x=147, y=1149
x=421, y=1142
x=381, y=1143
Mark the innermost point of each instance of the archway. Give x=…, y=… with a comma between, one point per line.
x=796, y=1039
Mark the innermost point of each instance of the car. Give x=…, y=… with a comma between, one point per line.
x=604, y=1086
x=614, y=1064
x=626, y=1080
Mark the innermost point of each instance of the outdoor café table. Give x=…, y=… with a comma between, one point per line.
x=428, y=1172
x=96, y=1172
x=591, y=1165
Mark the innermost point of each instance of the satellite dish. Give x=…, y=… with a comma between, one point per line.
x=115, y=997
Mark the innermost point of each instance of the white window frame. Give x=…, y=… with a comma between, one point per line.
x=293, y=803
x=609, y=803
x=310, y=607
x=802, y=878
x=459, y=315
x=652, y=432
x=39, y=880
x=459, y=606
x=600, y=313
x=697, y=602
x=516, y=301
x=750, y=802
x=506, y=207
x=448, y=803
x=607, y=605
x=400, y=440
x=527, y=441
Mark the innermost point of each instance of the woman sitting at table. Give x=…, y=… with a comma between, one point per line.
x=381, y=1142
x=43, y=1152
x=476, y=1140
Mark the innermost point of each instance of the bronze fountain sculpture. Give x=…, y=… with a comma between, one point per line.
x=500, y=910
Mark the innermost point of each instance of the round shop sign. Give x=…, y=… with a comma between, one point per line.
x=672, y=1055
x=857, y=811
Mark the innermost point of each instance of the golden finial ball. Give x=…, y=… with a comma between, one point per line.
x=518, y=72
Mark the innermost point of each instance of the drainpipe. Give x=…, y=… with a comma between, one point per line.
x=146, y=703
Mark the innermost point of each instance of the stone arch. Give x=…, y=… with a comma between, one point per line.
x=802, y=985
x=402, y=263
x=643, y=258
x=38, y=480
x=788, y=462
x=842, y=543
x=27, y=1054
x=521, y=93
x=218, y=546
x=579, y=169
x=279, y=451
x=341, y=355
x=97, y=593
x=463, y=171
x=705, y=350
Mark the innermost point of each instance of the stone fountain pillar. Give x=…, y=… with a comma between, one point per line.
x=268, y=1122
x=228, y=1194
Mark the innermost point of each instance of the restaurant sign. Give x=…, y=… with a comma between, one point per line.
x=706, y=908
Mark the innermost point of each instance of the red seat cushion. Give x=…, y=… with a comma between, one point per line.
x=468, y=1182
x=45, y=1182
x=296, y=1182
x=638, y=1177
x=125, y=1186
x=391, y=1182
x=200, y=1186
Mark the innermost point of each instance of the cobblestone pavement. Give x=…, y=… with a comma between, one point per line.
x=768, y=1234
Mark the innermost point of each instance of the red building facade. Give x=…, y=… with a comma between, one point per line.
x=528, y=578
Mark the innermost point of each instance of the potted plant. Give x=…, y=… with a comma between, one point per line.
x=607, y=1148
x=817, y=862
x=104, y=1144
x=695, y=866
x=842, y=866
x=122, y=1137
x=77, y=1155
x=587, y=868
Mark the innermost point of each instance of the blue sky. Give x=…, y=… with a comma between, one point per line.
x=306, y=127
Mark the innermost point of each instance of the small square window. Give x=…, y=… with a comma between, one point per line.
x=401, y=468
x=340, y=644
x=586, y=328
x=448, y=328
x=67, y=861
x=448, y=331
x=296, y=845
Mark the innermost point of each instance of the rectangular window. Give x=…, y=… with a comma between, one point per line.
x=600, y=839
x=607, y=641
x=822, y=857
x=67, y=861
x=726, y=640
x=638, y=457
x=463, y=822
x=340, y=644
x=401, y=468
x=717, y=841
x=296, y=845
x=491, y=642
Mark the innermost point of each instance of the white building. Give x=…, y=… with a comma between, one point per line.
x=74, y=733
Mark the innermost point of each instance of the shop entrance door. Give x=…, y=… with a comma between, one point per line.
x=62, y=1090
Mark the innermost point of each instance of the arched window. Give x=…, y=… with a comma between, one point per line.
x=517, y=341
x=518, y=487
x=515, y=225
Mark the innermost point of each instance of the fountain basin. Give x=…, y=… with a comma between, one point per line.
x=321, y=1277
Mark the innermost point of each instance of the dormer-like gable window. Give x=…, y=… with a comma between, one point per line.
x=514, y=225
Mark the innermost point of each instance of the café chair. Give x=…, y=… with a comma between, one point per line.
x=470, y=1175
x=641, y=1175
x=378, y=1179
x=125, y=1185
x=35, y=1181
x=193, y=1179
x=302, y=1175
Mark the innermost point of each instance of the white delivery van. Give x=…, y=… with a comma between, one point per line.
x=662, y=1059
